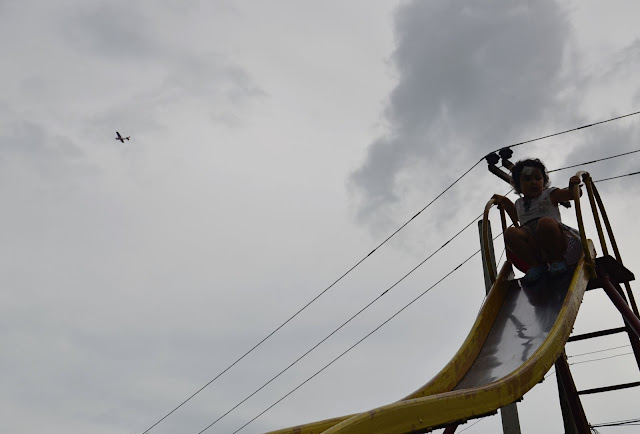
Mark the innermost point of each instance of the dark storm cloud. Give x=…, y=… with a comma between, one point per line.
x=471, y=76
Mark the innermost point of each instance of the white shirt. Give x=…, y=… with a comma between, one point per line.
x=541, y=206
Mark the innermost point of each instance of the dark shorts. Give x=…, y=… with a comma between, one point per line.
x=532, y=225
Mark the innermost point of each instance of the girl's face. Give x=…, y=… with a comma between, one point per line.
x=531, y=182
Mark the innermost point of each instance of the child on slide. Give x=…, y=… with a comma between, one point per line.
x=541, y=240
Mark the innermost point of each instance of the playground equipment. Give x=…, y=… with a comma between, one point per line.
x=519, y=333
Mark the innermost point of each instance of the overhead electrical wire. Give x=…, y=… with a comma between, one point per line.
x=616, y=177
x=380, y=326
x=598, y=351
x=372, y=302
x=477, y=421
x=594, y=161
x=375, y=300
x=593, y=360
x=576, y=129
x=367, y=256
x=589, y=361
x=347, y=321
x=617, y=423
x=602, y=358
x=314, y=299
x=361, y=340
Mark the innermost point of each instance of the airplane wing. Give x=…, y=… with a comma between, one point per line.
x=518, y=335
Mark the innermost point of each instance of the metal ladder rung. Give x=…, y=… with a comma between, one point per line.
x=609, y=388
x=597, y=334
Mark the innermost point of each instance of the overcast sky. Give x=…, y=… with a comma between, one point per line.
x=274, y=145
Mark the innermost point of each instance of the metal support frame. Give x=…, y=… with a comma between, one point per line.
x=597, y=334
x=610, y=272
x=632, y=323
x=451, y=428
x=620, y=303
x=567, y=418
x=609, y=388
x=575, y=420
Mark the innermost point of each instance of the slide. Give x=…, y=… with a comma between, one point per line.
x=516, y=338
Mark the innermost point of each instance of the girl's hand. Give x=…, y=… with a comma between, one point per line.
x=500, y=200
x=574, y=180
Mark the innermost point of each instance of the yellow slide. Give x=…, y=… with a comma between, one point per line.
x=516, y=338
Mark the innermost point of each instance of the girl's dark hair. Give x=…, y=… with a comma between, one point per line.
x=516, y=172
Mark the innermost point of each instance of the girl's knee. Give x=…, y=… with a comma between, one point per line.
x=548, y=224
x=513, y=234
x=518, y=239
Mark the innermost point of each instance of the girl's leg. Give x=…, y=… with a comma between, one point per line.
x=521, y=242
x=552, y=240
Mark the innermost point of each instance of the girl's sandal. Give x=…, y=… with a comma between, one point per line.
x=557, y=268
x=534, y=273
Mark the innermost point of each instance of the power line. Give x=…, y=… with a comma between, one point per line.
x=599, y=351
x=502, y=254
x=546, y=376
x=477, y=421
x=603, y=358
x=349, y=320
x=357, y=343
x=364, y=258
x=315, y=298
x=362, y=310
x=592, y=360
x=594, y=161
x=346, y=322
x=617, y=423
x=358, y=313
x=616, y=177
x=575, y=129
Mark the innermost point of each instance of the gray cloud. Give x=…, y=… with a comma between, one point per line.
x=54, y=160
x=150, y=51
x=226, y=88
x=117, y=30
x=470, y=86
x=608, y=87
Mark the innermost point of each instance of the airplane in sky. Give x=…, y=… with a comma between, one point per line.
x=122, y=139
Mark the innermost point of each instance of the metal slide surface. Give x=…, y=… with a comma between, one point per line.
x=517, y=336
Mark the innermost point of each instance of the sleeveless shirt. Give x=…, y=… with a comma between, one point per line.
x=541, y=206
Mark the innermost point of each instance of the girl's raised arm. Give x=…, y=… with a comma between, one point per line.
x=506, y=204
x=565, y=194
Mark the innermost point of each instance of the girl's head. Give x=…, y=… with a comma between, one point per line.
x=529, y=177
